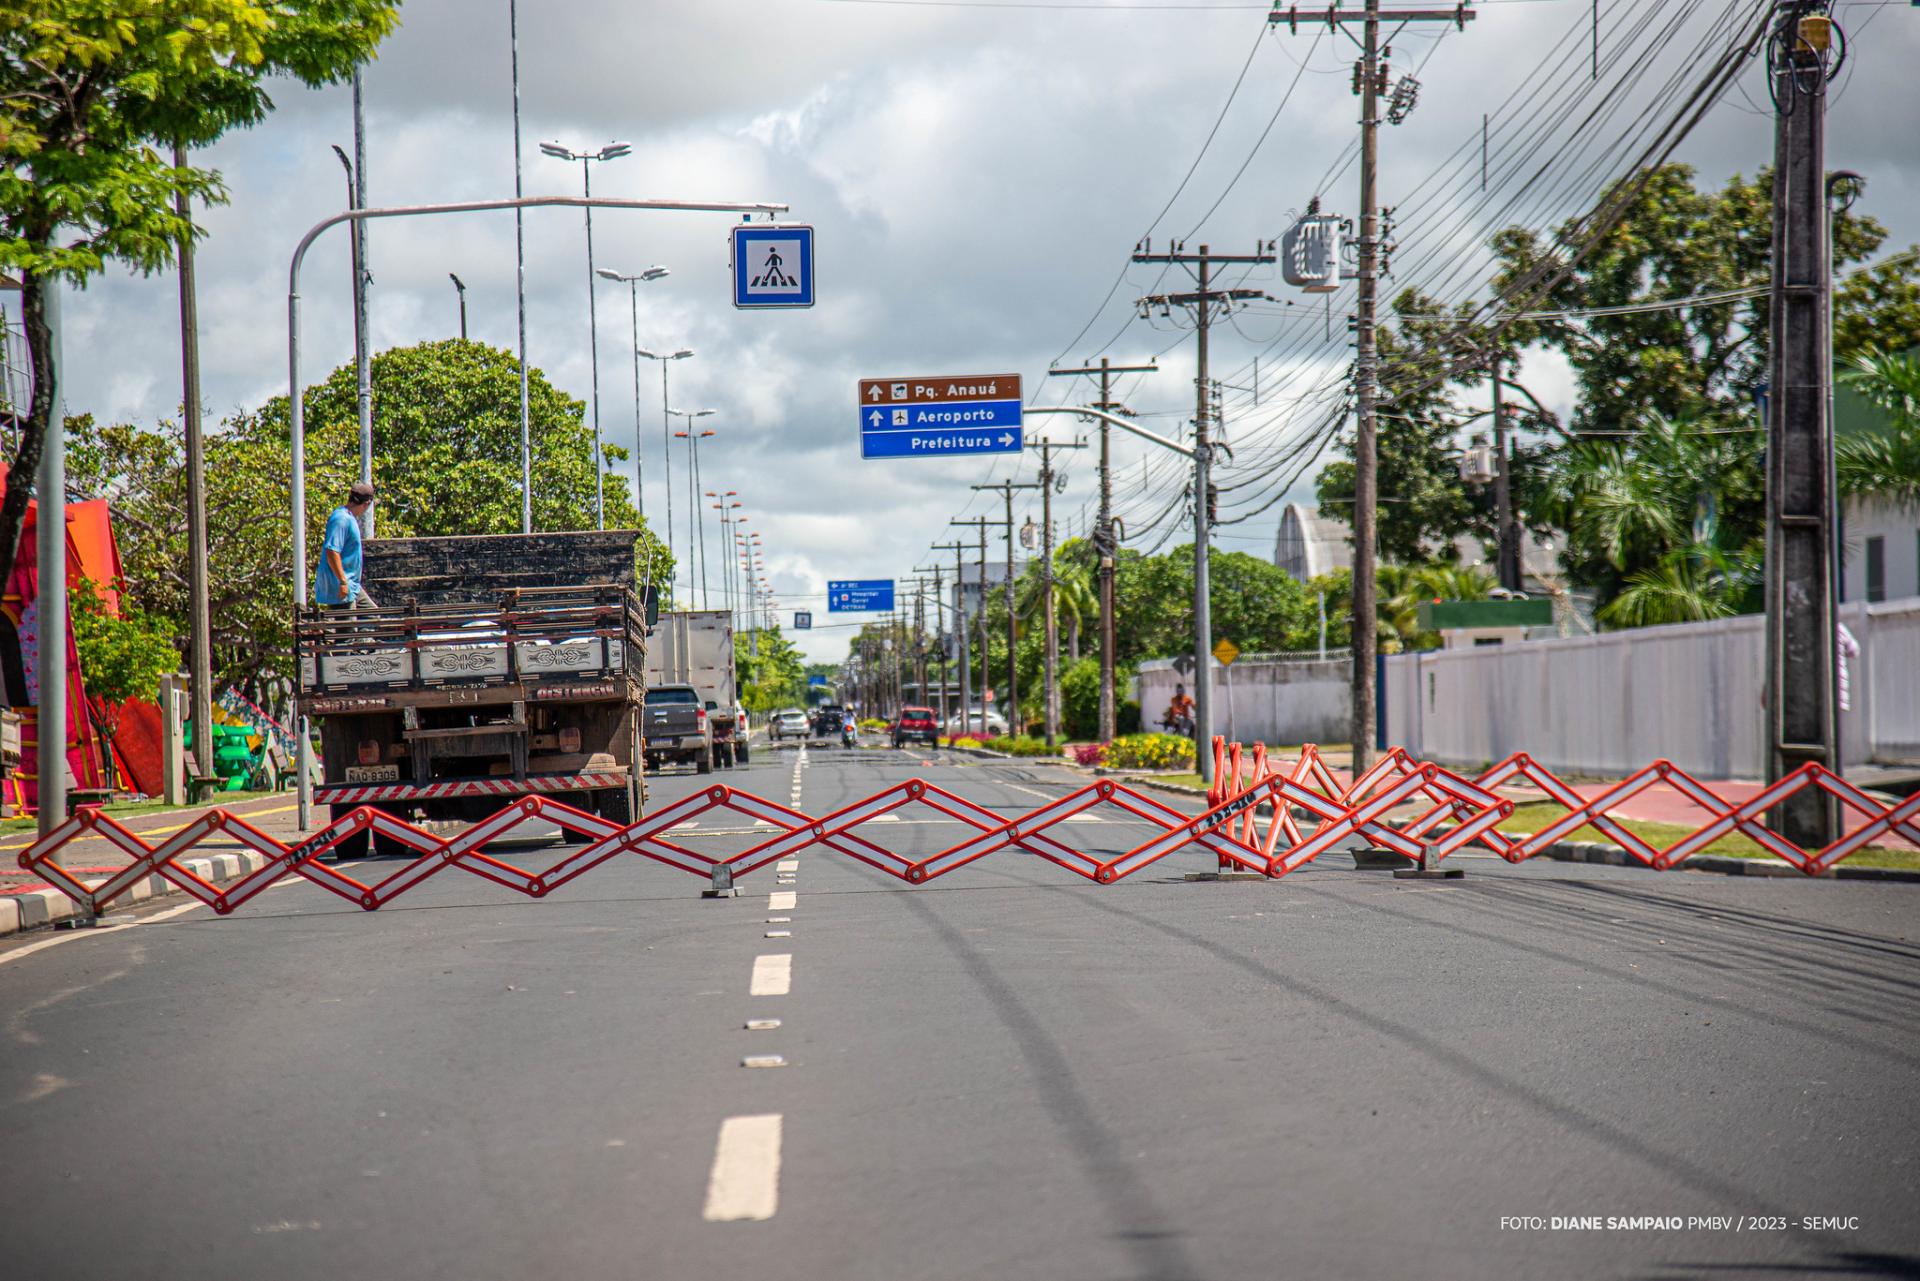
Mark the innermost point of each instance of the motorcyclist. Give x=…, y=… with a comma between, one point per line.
x=1178, y=718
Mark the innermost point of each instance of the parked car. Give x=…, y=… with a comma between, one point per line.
x=791, y=723
x=916, y=723
x=969, y=724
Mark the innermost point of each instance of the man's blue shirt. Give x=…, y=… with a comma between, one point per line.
x=343, y=536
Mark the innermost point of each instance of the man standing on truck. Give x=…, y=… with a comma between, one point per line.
x=336, y=581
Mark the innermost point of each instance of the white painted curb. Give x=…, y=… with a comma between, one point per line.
x=38, y=908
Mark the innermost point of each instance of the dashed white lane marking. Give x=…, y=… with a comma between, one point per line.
x=745, y=1182
x=772, y=975
x=779, y=934
x=763, y=1061
x=762, y=1025
x=787, y=865
x=783, y=900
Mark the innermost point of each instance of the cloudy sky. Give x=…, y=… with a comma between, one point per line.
x=978, y=174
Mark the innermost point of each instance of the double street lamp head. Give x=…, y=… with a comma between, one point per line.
x=651, y=273
x=612, y=151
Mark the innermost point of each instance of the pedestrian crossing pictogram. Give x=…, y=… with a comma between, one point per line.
x=772, y=266
x=771, y=276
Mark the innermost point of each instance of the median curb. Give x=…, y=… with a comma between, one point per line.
x=34, y=909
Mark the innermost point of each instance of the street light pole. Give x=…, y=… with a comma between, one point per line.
x=693, y=485
x=633, y=307
x=666, y=431
x=362, y=375
x=612, y=151
x=460, y=288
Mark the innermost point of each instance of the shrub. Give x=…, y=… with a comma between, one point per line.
x=1022, y=746
x=1089, y=753
x=1127, y=717
x=965, y=740
x=1151, y=751
x=875, y=723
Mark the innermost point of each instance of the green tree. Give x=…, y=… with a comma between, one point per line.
x=774, y=678
x=121, y=657
x=91, y=96
x=1628, y=504
x=1885, y=464
x=445, y=415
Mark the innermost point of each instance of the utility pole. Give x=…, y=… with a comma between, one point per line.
x=1051, y=677
x=981, y=523
x=1369, y=82
x=200, y=638
x=1506, y=535
x=1802, y=695
x=362, y=341
x=1005, y=489
x=1105, y=546
x=959, y=623
x=939, y=603
x=1202, y=305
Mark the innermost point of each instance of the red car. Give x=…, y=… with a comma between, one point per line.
x=916, y=722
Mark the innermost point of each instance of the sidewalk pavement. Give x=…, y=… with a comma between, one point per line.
x=26, y=900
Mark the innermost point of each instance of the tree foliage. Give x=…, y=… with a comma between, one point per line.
x=1884, y=464
x=774, y=678
x=93, y=98
x=121, y=657
x=446, y=461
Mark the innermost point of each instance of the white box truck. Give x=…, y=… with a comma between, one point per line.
x=695, y=647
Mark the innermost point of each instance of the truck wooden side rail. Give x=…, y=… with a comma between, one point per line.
x=470, y=686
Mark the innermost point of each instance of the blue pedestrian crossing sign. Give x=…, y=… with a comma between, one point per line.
x=860, y=596
x=938, y=417
x=772, y=265
x=802, y=620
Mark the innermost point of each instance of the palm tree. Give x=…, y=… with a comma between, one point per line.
x=1688, y=585
x=1885, y=464
x=1659, y=512
x=1403, y=587
x=1074, y=601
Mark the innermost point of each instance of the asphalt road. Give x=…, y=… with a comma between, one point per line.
x=1009, y=1073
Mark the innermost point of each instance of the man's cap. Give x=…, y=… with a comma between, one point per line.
x=361, y=491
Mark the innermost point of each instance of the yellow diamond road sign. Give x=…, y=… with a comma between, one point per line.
x=1226, y=651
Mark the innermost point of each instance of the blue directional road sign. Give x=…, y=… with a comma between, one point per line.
x=772, y=266
x=817, y=679
x=939, y=417
x=860, y=596
x=802, y=620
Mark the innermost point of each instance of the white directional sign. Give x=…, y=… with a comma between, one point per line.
x=935, y=417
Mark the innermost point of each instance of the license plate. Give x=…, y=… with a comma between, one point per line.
x=373, y=773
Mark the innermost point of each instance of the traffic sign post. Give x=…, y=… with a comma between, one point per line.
x=772, y=266
x=940, y=417
x=860, y=596
x=802, y=620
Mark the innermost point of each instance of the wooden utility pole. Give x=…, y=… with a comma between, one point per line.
x=1005, y=489
x=980, y=523
x=1105, y=546
x=1052, y=660
x=1802, y=692
x=959, y=624
x=1205, y=305
x=1506, y=533
x=1370, y=81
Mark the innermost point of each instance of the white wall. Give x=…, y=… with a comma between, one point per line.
x=1611, y=703
x=1258, y=701
x=1898, y=528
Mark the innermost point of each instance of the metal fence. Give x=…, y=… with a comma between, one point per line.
x=1603, y=704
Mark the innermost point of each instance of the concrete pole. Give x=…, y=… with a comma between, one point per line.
x=199, y=618
x=520, y=281
x=1202, y=534
x=1365, y=453
x=362, y=341
x=51, y=555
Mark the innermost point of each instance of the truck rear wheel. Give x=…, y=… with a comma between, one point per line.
x=352, y=846
x=740, y=752
x=703, y=761
x=615, y=805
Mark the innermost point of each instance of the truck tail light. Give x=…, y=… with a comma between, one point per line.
x=368, y=751
x=700, y=715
